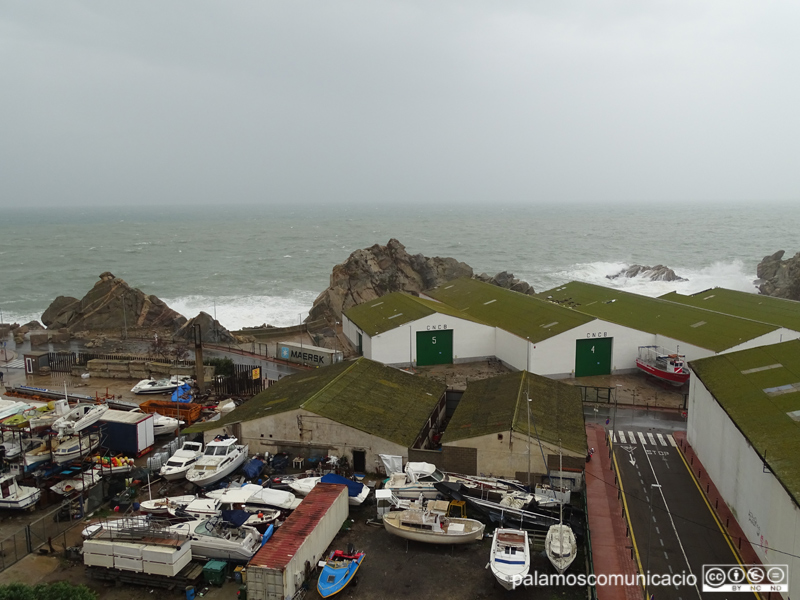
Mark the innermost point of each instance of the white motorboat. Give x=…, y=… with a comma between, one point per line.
x=560, y=544
x=357, y=492
x=161, y=506
x=109, y=526
x=81, y=482
x=181, y=461
x=166, y=385
x=163, y=425
x=79, y=418
x=15, y=496
x=74, y=447
x=212, y=539
x=418, y=478
x=221, y=458
x=199, y=508
x=510, y=558
x=9, y=408
x=40, y=454
x=14, y=445
x=432, y=525
x=252, y=498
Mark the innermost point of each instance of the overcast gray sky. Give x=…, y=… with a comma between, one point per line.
x=175, y=102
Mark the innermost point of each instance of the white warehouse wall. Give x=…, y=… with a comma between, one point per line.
x=690, y=351
x=774, y=337
x=765, y=511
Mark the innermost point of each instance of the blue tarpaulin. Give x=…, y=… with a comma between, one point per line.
x=236, y=518
x=183, y=393
x=252, y=468
x=353, y=487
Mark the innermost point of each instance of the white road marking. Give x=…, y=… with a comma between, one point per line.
x=641, y=438
x=651, y=438
x=631, y=437
x=672, y=441
x=661, y=439
x=613, y=437
x=622, y=437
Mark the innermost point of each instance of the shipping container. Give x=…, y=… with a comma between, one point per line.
x=128, y=432
x=276, y=571
x=188, y=412
x=304, y=354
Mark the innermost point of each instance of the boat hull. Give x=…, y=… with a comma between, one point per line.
x=676, y=379
x=210, y=477
x=392, y=524
x=25, y=499
x=560, y=562
x=333, y=580
x=510, y=557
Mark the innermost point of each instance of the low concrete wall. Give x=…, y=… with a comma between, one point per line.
x=129, y=369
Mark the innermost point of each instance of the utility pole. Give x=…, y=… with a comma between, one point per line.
x=616, y=398
x=198, y=358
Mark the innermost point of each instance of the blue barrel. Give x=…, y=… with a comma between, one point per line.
x=189, y=592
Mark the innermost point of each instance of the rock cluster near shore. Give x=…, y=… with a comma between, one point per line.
x=210, y=330
x=657, y=273
x=780, y=278
x=372, y=272
x=111, y=305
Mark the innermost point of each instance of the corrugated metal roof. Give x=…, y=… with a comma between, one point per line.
x=278, y=551
x=123, y=416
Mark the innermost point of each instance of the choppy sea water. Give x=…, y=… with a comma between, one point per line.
x=253, y=265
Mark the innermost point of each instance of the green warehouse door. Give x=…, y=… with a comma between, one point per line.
x=435, y=347
x=593, y=357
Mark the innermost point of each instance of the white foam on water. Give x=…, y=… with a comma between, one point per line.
x=235, y=312
x=732, y=275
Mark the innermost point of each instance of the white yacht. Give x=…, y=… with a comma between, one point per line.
x=15, y=496
x=253, y=498
x=510, y=558
x=212, y=539
x=39, y=454
x=432, y=525
x=199, y=508
x=160, y=386
x=357, y=492
x=163, y=425
x=181, y=461
x=161, y=506
x=78, y=418
x=74, y=447
x=221, y=458
x=560, y=544
x=418, y=478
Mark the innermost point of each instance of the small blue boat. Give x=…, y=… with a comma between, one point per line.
x=339, y=570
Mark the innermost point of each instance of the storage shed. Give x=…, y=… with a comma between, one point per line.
x=128, y=432
x=278, y=568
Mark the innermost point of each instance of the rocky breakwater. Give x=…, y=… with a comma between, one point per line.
x=111, y=305
x=779, y=278
x=372, y=272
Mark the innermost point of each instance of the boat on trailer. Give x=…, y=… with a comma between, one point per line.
x=663, y=364
x=339, y=570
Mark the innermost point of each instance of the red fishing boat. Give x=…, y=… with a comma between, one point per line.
x=660, y=363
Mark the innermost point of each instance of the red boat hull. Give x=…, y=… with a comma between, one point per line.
x=673, y=378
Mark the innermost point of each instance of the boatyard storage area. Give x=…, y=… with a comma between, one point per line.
x=278, y=569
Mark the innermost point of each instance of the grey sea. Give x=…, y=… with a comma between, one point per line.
x=257, y=264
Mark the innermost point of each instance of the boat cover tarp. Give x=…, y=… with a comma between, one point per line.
x=183, y=393
x=252, y=468
x=237, y=518
x=353, y=487
x=392, y=464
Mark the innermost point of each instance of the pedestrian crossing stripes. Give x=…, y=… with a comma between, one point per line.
x=629, y=437
x=661, y=439
x=672, y=441
x=622, y=437
x=641, y=438
x=651, y=438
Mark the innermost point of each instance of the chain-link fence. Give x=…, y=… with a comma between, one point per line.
x=50, y=530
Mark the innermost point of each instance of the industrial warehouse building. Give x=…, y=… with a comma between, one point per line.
x=744, y=419
x=575, y=330
x=355, y=409
x=492, y=417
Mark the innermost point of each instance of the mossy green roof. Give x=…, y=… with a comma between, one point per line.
x=775, y=311
x=362, y=394
x=497, y=404
x=520, y=314
x=396, y=309
x=704, y=328
x=744, y=383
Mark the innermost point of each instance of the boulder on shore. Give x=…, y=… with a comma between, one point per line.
x=372, y=272
x=111, y=304
x=507, y=280
x=210, y=330
x=780, y=278
x=657, y=273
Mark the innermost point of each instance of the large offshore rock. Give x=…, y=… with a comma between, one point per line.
x=506, y=280
x=781, y=278
x=657, y=273
x=210, y=330
x=112, y=304
x=372, y=272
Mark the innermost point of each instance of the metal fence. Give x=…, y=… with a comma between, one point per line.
x=245, y=381
x=50, y=530
x=62, y=362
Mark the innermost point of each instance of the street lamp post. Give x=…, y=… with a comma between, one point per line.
x=650, y=527
x=616, y=398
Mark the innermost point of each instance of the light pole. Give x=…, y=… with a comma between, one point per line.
x=650, y=529
x=528, y=406
x=616, y=397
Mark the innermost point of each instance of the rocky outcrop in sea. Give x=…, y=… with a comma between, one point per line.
x=111, y=305
x=657, y=273
x=210, y=330
x=779, y=278
x=372, y=272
